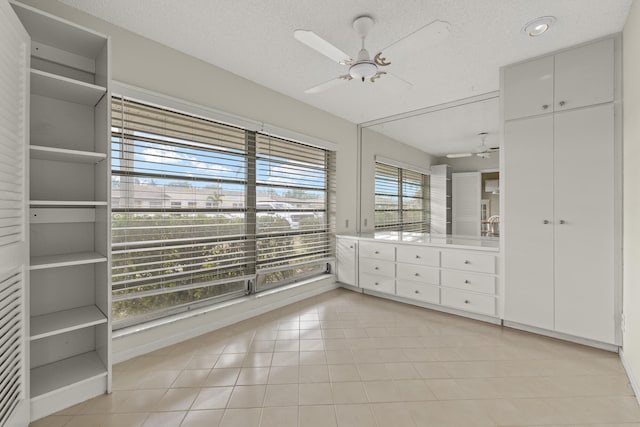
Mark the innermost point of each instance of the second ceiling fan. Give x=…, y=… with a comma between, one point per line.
x=364, y=67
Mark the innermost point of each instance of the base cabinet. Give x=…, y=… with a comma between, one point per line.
x=460, y=279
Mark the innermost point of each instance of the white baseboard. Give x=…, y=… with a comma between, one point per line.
x=565, y=337
x=136, y=341
x=632, y=378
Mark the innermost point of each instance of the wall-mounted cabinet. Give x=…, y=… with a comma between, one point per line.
x=570, y=79
x=69, y=191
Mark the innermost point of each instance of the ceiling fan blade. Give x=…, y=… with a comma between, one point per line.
x=428, y=35
x=328, y=85
x=458, y=155
x=322, y=46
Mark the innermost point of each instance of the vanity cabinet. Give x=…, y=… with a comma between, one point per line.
x=562, y=241
x=570, y=79
x=461, y=279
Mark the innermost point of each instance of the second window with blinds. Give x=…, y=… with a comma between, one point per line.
x=203, y=211
x=401, y=199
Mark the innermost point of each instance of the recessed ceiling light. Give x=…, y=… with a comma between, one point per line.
x=538, y=26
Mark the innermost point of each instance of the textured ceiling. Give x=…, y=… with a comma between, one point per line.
x=254, y=39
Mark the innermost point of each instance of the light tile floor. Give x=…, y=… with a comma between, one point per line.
x=346, y=359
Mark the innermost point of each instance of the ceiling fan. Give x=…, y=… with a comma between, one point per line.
x=363, y=68
x=484, y=152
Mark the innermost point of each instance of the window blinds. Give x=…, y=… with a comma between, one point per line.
x=401, y=199
x=201, y=207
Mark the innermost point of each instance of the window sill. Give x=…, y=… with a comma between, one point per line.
x=136, y=340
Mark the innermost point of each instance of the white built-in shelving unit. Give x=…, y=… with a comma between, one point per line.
x=69, y=291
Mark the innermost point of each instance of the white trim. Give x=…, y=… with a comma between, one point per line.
x=398, y=164
x=445, y=106
x=632, y=379
x=151, y=336
x=565, y=337
x=165, y=101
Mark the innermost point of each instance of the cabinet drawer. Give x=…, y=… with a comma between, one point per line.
x=469, y=261
x=419, y=273
x=468, y=301
x=377, y=283
x=418, y=255
x=469, y=281
x=378, y=250
x=418, y=291
x=377, y=267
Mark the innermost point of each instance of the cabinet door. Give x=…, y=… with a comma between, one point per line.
x=346, y=260
x=466, y=203
x=14, y=107
x=528, y=88
x=584, y=76
x=528, y=195
x=584, y=232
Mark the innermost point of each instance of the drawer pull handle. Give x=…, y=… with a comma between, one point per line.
x=466, y=261
x=351, y=247
x=467, y=282
x=376, y=252
x=467, y=301
x=417, y=274
x=417, y=292
x=376, y=268
x=545, y=106
x=562, y=103
x=376, y=283
x=417, y=256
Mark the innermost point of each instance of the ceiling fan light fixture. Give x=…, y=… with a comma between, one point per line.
x=363, y=70
x=538, y=26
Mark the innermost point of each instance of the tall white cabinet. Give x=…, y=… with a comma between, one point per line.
x=465, y=192
x=562, y=207
x=69, y=217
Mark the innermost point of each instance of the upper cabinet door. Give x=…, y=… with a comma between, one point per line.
x=528, y=88
x=584, y=76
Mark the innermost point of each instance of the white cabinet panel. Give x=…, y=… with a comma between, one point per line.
x=346, y=260
x=468, y=301
x=413, y=254
x=469, y=261
x=469, y=281
x=419, y=273
x=378, y=267
x=418, y=291
x=585, y=230
x=584, y=76
x=530, y=88
x=377, y=283
x=466, y=203
x=528, y=221
x=382, y=251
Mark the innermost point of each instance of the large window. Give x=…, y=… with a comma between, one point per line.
x=401, y=199
x=203, y=211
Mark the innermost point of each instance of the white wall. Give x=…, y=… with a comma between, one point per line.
x=375, y=144
x=141, y=62
x=631, y=193
x=471, y=164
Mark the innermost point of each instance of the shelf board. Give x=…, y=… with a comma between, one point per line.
x=55, y=376
x=60, y=322
x=65, y=260
x=63, y=155
x=67, y=203
x=64, y=88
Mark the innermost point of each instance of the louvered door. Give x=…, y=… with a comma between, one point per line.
x=14, y=62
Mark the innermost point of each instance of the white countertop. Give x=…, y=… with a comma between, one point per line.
x=441, y=240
